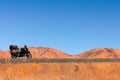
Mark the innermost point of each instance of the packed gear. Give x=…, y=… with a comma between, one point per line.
x=19, y=52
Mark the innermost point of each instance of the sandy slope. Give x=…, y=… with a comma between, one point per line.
x=41, y=52
x=100, y=53
x=60, y=71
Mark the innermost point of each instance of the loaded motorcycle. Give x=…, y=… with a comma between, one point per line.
x=19, y=52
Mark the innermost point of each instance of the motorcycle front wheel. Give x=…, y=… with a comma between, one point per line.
x=29, y=56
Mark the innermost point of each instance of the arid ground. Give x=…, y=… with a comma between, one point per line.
x=70, y=69
x=61, y=71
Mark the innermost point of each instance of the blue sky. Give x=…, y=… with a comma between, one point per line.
x=72, y=26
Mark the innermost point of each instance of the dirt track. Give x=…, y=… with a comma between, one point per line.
x=56, y=60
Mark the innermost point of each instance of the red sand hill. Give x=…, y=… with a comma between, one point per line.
x=40, y=52
x=100, y=53
x=4, y=54
x=47, y=53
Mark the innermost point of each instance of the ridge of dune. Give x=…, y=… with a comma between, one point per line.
x=39, y=52
x=42, y=52
x=100, y=53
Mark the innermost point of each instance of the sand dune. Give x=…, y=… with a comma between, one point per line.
x=100, y=53
x=41, y=52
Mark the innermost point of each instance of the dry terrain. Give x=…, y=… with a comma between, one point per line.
x=61, y=71
x=51, y=53
x=100, y=53
x=52, y=64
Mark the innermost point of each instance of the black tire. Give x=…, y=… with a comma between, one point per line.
x=13, y=56
x=29, y=56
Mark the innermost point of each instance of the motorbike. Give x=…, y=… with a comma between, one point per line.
x=19, y=52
